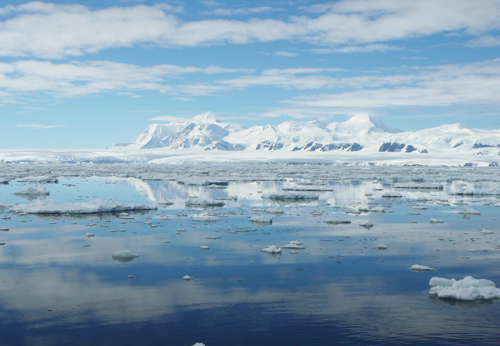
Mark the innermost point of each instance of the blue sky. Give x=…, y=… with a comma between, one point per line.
x=92, y=73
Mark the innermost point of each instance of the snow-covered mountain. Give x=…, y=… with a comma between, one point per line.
x=361, y=132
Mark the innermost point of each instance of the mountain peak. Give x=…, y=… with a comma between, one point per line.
x=205, y=118
x=369, y=121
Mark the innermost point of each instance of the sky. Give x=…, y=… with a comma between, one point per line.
x=89, y=74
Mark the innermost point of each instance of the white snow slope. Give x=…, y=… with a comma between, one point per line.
x=361, y=140
x=361, y=132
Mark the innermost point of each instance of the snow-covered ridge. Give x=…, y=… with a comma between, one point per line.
x=360, y=133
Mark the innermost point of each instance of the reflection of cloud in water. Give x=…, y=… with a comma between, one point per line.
x=361, y=306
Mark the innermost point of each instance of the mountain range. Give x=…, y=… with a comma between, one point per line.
x=359, y=133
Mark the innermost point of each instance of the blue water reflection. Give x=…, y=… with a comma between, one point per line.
x=60, y=287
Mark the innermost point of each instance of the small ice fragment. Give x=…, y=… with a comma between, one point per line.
x=2, y=243
x=469, y=211
x=212, y=237
x=199, y=344
x=486, y=231
x=421, y=268
x=381, y=247
x=294, y=245
x=434, y=220
x=205, y=247
x=90, y=234
x=124, y=255
x=130, y=276
x=187, y=277
x=4, y=229
x=294, y=252
x=271, y=249
x=261, y=219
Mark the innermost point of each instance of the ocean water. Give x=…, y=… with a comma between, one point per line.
x=60, y=287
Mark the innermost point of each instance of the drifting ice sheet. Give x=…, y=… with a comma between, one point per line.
x=421, y=268
x=33, y=191
x=272, y=249
x=466, y=289
x=92, y=207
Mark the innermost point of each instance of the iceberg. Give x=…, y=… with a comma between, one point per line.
x=467, y=288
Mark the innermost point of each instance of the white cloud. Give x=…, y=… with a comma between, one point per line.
x=240, y=11
x=447, y=85
x=285, y=54
x=485, y=41
x=369, y=48
x=38, y=126
x=76, y=79
x=55, y=31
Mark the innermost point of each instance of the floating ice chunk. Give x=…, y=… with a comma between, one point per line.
x=392, y=195
x=381, y=247
x=4, y=181
x=378, y=209
x=40, y=180
x=212, y=237
x=421, y=268
x=33, y=191
x=271, y=249
x=205, y=247
x=276, y=211
x=2, y=243
x=337, y=222
x=486, y=231
x=203, y=203
x=367, y=225
x=290, y=196
x=434, y=220
x=90, y=234
x=229, y=198
x=467, y=288
x=203, y=218
x=425, y=186
x=130, y=276
x=469, y=211
x=92, y=207
x=293, y=252
x=261, y=219
x=124, y=255
x=4, y=229
x=187, y=277
x=199, y=344
x=294, y=245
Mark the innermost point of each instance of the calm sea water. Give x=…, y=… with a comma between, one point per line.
x=55, y=289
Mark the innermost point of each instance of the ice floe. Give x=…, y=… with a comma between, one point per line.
x=33, y=191
x=290, y=196
x=421, y=268
x=381, y=247
x=469, y=211
x=261, y=219
x=124, y=255
x=467, y=288
x=271, y=249
x=294, y=245
x=92, y=207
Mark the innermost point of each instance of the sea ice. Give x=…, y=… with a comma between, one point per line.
x=124, y=255
x=90, y=234
x=92, y=207
x=187, y=277
x=290, y=196
x=381, y=247
x=271, y=249
x=469, y=211
x=261, y=219
x=421, y=268
x=205, y=247
x=467, y=288
x=33, y=191
x=203, y=203
x=486, y=231
x=434, y=220
x=294, y=245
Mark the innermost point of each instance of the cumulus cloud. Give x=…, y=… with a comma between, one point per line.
x=56, y=31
